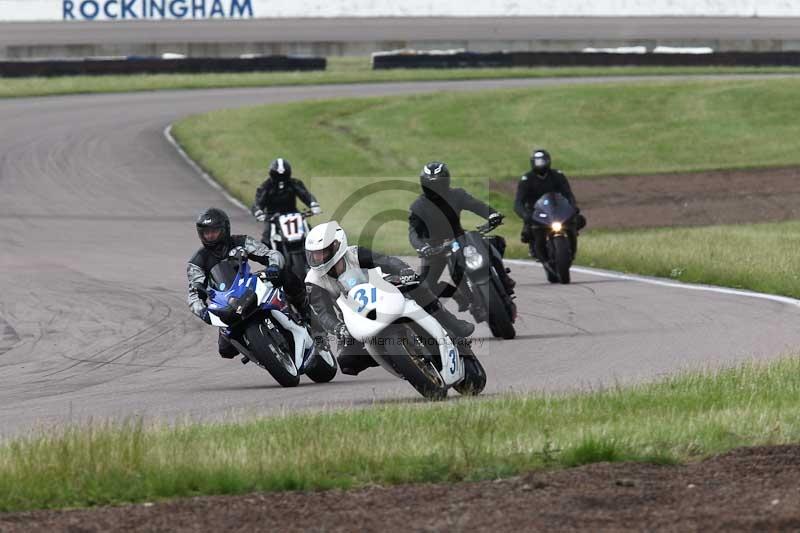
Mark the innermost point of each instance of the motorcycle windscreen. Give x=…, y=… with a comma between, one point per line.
x=352, y=277
x=552, y=207
x=222, y=275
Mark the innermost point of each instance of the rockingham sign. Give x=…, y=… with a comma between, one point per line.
x=72, y=10
x=22, y=10
x=155, y=9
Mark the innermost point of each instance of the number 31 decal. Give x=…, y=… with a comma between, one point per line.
x=364, y=300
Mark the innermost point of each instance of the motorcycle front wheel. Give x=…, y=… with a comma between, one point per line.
x=410, y=360
x=272, y=355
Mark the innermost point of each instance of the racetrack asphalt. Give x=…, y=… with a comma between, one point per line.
x=96, y=225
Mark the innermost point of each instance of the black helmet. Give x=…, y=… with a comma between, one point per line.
x=435, y=179
x=540, y=162
x=280, y=170
x=214, y=230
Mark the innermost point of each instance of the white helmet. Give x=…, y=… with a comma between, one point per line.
x=326, y=244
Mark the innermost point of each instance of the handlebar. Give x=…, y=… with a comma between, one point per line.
x=305, y=214
x=483, y=229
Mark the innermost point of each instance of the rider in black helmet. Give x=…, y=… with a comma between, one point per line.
x=279, y=193
x=214, y=230
x=435, y=216
x=540, y=180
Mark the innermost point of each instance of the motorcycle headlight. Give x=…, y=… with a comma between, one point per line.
x=472, y=258
x=557, y=226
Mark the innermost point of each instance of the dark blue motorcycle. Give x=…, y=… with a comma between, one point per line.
x=557, y=217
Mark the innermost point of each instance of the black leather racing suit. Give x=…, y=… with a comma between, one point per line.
x=531, y=187
x=280, y=196
x=434, y=219
x=202, y=262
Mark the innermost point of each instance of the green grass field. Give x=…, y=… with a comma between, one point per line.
x=682, y=418
x=642, y=128
x=340, y=70
x=613, y=128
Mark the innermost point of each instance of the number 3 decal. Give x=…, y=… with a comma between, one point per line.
x=452, y=362
x=361, y=297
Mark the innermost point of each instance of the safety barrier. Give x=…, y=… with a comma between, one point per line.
x=157, y=65
x=404, y=59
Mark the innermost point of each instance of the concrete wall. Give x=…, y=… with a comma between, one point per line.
x=41, y=10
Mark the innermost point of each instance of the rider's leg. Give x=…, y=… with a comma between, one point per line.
x=431, y=269
x=430, y=303
x=539, y=244
x=353, y=358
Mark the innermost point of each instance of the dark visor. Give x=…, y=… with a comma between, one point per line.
x=320, y=257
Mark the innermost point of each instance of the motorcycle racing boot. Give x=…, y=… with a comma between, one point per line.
x=226, y=349
x=454, y=326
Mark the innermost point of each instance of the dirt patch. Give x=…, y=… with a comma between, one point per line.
x=696, y=199
x=750, y=489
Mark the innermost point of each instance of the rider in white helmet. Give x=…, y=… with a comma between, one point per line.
x=329, y=256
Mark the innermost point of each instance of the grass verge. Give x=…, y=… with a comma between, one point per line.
x=679, y=419
x=759, y=257
x=340, y=70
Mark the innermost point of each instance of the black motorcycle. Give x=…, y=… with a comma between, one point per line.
x=473, y=255
x=557, y=217
x=287, y=234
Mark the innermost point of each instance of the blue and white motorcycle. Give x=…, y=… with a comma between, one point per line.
x=403, y=338
x=254, y=316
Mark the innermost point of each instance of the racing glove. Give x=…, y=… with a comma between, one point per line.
x=495, y=218
x=238, y=251
x=201, y=311
x=315, y=209
x=272, y=273
x=260, y=215
x=425, y=251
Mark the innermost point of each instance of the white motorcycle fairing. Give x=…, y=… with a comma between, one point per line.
x=303, y=343
x=390, y=305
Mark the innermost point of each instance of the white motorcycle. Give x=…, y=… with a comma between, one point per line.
x=403, y=338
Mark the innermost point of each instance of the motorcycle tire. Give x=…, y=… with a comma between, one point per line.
x=562, y=258
x=500, y=322
x=322, y=370
x=411, y=362
x=271, y=355
x=474, y=374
